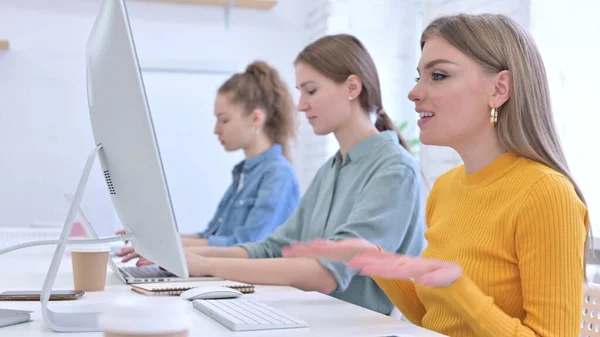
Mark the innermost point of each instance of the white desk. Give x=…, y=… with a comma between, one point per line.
x=328, y=316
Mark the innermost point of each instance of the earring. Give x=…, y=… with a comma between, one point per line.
x=494, y=117
x=349, y=98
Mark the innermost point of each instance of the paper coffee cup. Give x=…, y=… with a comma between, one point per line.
x=89, y=266
x=146, y=317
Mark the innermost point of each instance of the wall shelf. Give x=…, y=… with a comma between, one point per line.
x=4, y=45
x=251, y=4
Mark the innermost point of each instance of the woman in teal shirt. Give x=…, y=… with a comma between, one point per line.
x=370, y=189
x=255, y=113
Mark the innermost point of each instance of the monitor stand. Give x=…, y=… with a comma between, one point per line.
x=72, y=321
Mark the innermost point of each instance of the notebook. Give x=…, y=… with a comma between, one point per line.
x=176, y=288
x=10, y=317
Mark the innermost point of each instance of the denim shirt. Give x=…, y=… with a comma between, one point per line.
x=264, y=193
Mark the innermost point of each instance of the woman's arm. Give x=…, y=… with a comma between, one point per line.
x=305, y=274
x=193, y=240
x=404, y=296
x=223, y=252
x=401, y=292
x=187, y=240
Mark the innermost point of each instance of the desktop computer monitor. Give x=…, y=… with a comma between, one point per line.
x=130, y=156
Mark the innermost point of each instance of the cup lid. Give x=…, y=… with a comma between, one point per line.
x=89, y=248
x=146, y=315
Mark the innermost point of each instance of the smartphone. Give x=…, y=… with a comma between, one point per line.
x=56, y=295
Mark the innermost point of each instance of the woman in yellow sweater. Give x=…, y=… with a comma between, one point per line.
x=507, y=231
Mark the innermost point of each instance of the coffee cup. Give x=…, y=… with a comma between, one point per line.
x=89, y=266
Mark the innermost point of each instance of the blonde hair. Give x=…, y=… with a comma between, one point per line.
x=525, y=122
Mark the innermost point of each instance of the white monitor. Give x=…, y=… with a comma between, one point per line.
x=130, y=160
x=122, y=125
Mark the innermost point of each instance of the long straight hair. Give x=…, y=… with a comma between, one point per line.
x=525, y=122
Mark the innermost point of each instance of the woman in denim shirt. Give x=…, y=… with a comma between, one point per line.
x=255, y=113
x=263, y=194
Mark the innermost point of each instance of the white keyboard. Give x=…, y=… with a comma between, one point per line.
x=243, y=315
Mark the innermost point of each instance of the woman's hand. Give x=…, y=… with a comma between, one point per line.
x=432, y=273
x=332, y=250
x=197, y=265
x=128, y=253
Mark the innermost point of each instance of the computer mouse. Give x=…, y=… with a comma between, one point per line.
x=210, y=293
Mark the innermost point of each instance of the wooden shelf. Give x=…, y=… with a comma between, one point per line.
x=4, y=44
x=252, y=4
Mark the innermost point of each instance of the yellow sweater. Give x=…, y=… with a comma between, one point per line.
x=518, y=230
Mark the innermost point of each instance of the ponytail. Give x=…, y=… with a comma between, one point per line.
x=260, y=86
x=384, y=123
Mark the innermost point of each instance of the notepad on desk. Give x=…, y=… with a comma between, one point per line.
x=10, y=317
x=176, y=288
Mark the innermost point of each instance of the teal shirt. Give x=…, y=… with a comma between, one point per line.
x=375, y=195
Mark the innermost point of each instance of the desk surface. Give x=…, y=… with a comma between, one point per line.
x=328, y=316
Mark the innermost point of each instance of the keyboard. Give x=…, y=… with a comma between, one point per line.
x=150, y=271
x=244, y=315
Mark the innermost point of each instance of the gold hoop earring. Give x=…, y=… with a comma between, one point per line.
x=494, y=117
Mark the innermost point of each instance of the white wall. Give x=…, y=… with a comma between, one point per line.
x=389, y=30
x=313, y=150
x=571, y=51
x=45, y=133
